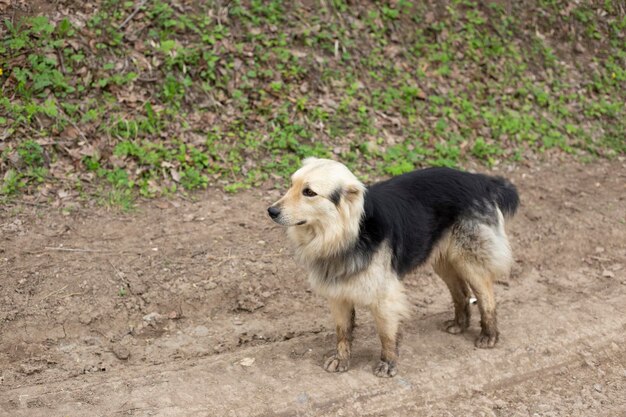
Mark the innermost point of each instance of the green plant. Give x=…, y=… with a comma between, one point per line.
x=235, y=96
x=31, y=153
x=11, y=182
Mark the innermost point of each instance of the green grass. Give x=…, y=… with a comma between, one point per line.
x=235, y=97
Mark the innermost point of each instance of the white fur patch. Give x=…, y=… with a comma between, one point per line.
x=376, y=287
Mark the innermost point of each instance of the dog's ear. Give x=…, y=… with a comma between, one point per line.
x=353, y=191
x=309, y=160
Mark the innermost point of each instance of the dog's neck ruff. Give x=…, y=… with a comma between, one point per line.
x=342, y=266
x=335, y=252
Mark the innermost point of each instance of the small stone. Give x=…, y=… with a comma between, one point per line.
x=152, y=317
x=298, y=351
x=121, y=352
x=403, y=383
x=31, y=368
x=599, y=249
x=597, y=387
x=499, y=404
x=607, y=274
x=589, y=363
x=247, y=361
x=532, y=215
x=249, y=303
x=138, y=288
x=85, y=318
x=200, y=331
x=579, y=48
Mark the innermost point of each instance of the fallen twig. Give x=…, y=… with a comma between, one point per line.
x=60, y=55
x=117, y=272
x=72, y=294
x=54, y=292
x=134, y=12
x=76, y=249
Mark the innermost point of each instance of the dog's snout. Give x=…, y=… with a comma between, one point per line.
x=273, y=212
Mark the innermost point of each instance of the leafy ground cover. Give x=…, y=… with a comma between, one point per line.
x=115, y=100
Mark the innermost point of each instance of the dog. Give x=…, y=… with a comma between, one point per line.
x=357, y=243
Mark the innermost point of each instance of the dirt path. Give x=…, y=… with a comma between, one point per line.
x=197, y=309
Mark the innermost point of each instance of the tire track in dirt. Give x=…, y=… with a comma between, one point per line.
x=434, y=381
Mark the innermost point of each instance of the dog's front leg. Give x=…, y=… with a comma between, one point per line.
x=388, y=313
x=343, y=314
x=387, y=323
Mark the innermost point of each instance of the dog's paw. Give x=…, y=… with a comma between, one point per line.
x=336, y=364
x=452, y=327
x=486, y=341
x=385, y=369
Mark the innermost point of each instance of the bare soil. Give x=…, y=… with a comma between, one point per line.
x=196, y=308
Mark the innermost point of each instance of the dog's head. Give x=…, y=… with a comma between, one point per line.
x=325, y=200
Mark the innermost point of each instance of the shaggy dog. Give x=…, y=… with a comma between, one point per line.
x=357, y=243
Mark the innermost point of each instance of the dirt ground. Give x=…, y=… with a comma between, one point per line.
x=196, y=308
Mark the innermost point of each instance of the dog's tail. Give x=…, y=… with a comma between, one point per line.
x=506, y=196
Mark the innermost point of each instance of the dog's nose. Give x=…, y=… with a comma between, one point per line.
x=273, y=211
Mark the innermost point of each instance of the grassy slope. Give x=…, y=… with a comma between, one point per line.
x=235, y=93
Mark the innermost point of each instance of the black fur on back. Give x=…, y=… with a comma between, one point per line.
x=505, y=195
x=412, y=211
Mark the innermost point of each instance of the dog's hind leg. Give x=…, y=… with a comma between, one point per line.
x=460, y=292
x=481, y=282
x=480, y=279
x=344, y=316
x=388, y=313
x=480, y=254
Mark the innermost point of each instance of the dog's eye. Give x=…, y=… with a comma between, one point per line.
x=307, y=192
